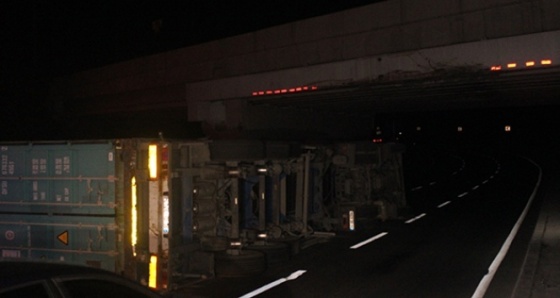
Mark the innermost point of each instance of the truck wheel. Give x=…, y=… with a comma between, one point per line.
x=214, y=244
x=293, y=243
x=275, y=253
x=246, y=263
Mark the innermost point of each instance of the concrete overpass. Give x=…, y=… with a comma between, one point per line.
x=293, y=80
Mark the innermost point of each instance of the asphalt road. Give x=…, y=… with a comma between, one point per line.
x=464, y=206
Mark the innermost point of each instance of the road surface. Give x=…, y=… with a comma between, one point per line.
x=463, y=208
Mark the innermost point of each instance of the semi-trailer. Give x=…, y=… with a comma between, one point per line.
x=163, y=211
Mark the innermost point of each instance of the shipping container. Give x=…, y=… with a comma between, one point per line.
x=96, y=203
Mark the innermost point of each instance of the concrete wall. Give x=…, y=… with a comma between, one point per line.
x=385, y=27
x=341, y=46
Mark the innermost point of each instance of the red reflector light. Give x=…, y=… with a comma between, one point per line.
x=377, y=140
x=496, y=68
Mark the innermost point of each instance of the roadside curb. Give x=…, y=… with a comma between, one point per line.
x=540, y=274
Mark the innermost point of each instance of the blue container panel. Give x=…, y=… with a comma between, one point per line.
x=106, y=262
x=13, y=235
x=82, y=197
x=68, y=160
x=9, y=159
x=77, y=178
x=77, y=239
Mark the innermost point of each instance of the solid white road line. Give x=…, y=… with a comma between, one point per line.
x=416, y=218
x=487, y=279
x=369, y=240
x=273, y=284
x=444, y=204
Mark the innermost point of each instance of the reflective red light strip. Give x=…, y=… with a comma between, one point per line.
x=287, y=90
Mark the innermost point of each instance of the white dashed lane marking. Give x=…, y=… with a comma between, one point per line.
x=444, y=204
x=378, y=236
x=416, y=218
x=273, y=284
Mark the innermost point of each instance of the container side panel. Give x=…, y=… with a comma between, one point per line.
x=58, y=203
x=84, y=240
x=72, y=178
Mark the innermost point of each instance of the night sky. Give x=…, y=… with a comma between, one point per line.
x=45, y=38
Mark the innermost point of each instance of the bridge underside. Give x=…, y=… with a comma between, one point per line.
x=433, y=93
x=375, y=62
x=349, y=112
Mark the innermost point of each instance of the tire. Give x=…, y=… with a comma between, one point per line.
x=275, y=253
x=247, y=263
x=293, y=243
x=214, y=244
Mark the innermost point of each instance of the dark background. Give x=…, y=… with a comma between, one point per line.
x=43, y=38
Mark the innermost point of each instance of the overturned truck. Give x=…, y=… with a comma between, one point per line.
x=162, y=211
